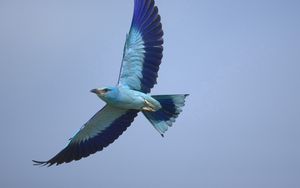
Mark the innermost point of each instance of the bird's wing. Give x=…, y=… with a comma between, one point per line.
x=143, y=48
x=100, y=131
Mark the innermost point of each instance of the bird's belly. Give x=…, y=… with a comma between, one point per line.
x=131, y=99
x=132, y=102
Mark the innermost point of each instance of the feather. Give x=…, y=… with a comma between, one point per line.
x=143, y=48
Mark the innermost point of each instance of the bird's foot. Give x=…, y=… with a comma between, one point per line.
x=148, y=107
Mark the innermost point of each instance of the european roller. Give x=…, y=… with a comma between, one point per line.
x=142, y=56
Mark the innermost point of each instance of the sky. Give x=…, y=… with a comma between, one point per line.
x=238, y=60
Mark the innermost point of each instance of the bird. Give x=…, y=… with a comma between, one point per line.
x=142, y=55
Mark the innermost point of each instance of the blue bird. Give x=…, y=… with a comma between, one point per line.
x=142, y=56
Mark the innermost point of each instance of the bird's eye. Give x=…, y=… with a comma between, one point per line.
x=106, y=90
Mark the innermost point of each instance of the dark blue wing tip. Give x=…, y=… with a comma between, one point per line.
x=41, y=163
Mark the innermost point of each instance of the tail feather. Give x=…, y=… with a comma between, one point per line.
x=166, y=116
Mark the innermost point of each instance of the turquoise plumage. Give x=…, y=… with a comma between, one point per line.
x=138, y=74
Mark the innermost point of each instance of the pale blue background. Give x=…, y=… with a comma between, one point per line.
x=239, y=60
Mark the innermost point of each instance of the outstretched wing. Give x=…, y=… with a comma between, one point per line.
x=143, y=48
x=100, y=131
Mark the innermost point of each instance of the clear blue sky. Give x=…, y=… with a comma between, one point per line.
x=239, y=60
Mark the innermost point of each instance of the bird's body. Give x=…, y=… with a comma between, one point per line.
x=125, y=98
x=142, y=56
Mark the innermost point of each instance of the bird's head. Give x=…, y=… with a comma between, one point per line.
x=106, y=93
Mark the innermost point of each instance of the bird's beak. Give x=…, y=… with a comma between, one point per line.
x=97, y=91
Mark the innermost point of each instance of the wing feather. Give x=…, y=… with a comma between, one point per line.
x=100, y=131
x=143, y=48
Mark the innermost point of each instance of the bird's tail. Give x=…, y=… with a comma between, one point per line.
x=164, y=117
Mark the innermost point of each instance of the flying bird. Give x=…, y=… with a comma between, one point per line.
x=142, y=56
